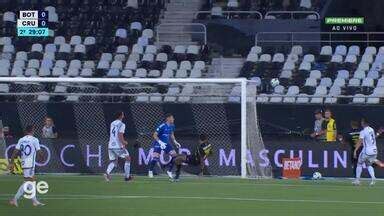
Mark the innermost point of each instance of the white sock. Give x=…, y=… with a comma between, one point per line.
x=110, y=167
x=371, y=172
x=359, y=169
x=127, y=169
x=20, y=192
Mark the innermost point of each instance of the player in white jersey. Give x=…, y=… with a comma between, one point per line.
x=28, y=146
x=116, y=148
x=368, y=154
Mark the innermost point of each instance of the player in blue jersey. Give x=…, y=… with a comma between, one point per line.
x=163, y=136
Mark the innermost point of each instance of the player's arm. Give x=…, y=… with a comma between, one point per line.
x=55, y=134
x=314, y=133
x=40, y=155
x=323, y=130
x=157, y=139
x=379, y=132
x=39, y=152
x=335, y=129
x=120, y=135
x=122, y=139
x=174, y=140
x=343, y=138
x=156, y=136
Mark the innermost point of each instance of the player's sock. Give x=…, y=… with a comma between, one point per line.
x=178, y=168
x=20, y=192
x=127, y=169
x=371, y=172
x=110, y=167
x=359, y=169
x=170, y=164
x=152, y=164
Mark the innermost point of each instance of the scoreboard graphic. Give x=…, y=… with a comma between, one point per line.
x=32, y=24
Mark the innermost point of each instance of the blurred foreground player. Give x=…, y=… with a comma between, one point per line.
x=116, y=148
x=27, y=147
x=368, y=154
x=197, y=158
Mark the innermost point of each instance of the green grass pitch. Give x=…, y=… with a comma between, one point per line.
x=90, y=195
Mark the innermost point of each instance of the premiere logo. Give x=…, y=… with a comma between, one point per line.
x=344, y=24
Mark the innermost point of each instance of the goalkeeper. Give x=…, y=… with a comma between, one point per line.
x=197, y=158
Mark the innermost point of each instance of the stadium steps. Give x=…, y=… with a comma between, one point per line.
x=178, y=11
x=226, y=67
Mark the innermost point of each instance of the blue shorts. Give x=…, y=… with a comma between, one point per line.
x=157, y=148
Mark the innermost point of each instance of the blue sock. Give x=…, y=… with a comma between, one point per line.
x=152, y=164
x=170, y=164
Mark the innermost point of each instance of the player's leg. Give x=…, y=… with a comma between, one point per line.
x=354, y=166
x=379, y=163
x=112, y=164
x=354, y=162
x=20, y=191
x=155, y=159
x=359, y=168
x=179, y=160
x=35, y=202
x=169, y=150
x=371, y=160
x=29, y=183
x=127, y=165
x=18, y=194
x=127, y=168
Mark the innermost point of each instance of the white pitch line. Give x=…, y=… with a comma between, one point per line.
x=341, y=186
x=103, y=197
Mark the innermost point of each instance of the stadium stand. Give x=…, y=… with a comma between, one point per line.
x=119, y=42
x=318, y=77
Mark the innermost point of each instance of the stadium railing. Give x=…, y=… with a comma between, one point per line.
x=186, y=33
x=231, y=13
x=292, y=13
x=329, y=38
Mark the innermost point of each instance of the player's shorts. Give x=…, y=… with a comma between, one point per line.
x=367, y=159
x=28, y=172
x=192, y=160
x=117, y=153
x=157, y=148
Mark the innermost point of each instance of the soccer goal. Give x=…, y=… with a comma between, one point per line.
x=82, y=108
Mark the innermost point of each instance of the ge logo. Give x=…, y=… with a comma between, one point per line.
x=30, y=188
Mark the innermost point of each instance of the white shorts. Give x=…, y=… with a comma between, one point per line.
x=29, y=172
x=117, y=153
x=367, y=159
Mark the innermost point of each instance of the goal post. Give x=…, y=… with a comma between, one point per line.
x=208, y=93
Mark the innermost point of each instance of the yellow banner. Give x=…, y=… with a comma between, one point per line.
x=3, y=166
x=16, y=170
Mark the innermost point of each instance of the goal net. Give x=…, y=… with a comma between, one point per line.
x=82, y=109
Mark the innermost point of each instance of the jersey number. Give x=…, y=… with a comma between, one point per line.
x=26, y=149
x=373, y=137
x=114, y=131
